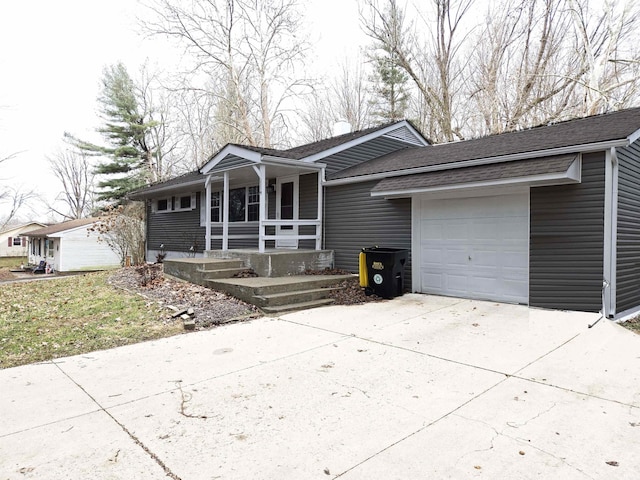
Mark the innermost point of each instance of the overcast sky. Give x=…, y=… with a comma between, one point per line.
x=52, y=53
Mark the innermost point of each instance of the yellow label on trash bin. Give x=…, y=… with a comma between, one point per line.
x=377, y=266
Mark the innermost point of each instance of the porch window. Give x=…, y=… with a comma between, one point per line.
x=253, y=204
x=49, y=247
x=237, y=202
x=216, y=203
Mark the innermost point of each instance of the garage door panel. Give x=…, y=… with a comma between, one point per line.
x=475, y=247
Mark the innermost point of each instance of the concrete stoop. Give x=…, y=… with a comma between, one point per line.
x=282, y=294
x=199, y=270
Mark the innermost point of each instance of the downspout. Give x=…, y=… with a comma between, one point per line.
x=610, y=234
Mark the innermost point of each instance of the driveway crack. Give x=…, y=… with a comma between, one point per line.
x=131, y=435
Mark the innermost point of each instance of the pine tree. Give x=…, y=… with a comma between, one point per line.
x=390, y=80
x=127, y=132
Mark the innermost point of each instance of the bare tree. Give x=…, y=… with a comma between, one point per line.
x=351, y=96
x=609, y=55
x=256, y=49
x=431, y=63
x=74, y=171
x=15, y=199
x=122, y=228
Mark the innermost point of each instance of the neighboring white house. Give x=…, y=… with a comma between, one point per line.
x=13, y=240
x=70, y=247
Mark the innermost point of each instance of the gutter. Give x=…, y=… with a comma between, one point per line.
x=591, y=147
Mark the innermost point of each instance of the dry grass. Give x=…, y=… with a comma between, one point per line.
x=47, y=319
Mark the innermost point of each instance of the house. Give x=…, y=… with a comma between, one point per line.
x=13, y=240
x=547, y=217
x=71, y=247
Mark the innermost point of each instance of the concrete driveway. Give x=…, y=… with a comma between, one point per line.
x=421, y=387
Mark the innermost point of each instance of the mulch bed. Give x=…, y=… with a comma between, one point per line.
x=211, y=308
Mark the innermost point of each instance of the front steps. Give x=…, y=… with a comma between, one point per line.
x=282, y=294
x=271, y=294
x=199, y=270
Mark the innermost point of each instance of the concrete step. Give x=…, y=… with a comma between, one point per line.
x=221, y=273
x=297, y=296
x=291, y=307
x=214, y=265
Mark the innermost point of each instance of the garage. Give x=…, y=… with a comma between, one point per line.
x=475, y=247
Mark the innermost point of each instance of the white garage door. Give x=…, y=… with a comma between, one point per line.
x=475, y=247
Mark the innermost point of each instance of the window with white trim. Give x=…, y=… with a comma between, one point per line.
x=17, y=241
x=253, y=204
x=244, y=205
x=216, y=207
x=182, y=203
x=163, y=205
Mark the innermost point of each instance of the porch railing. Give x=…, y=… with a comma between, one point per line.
x=264, y=237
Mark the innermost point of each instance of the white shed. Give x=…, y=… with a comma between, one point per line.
x=71, y=247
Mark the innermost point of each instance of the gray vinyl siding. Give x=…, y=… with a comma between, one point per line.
x=178, y=231
x=355, y=220
x=567, y=241
x=628, y=229
x=308, y=185
x=361, y=153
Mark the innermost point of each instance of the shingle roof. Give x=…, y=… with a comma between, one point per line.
x=187, y=178
x=600, y=128
x=480, y=173
x=309, y=149
x=61, y=227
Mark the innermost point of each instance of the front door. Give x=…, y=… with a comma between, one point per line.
x=287, y=209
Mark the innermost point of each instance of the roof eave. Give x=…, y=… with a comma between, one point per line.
x=585, y=148
x=176, y=186
x=571, y=175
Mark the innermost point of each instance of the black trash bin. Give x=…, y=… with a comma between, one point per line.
x=385, y=270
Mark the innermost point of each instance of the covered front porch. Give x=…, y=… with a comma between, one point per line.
x=258, y=200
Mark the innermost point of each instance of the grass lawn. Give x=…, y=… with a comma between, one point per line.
x=12, y=262
x=47, y=319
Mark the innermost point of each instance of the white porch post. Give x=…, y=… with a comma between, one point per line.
x=262, y=175
x=320, y=216
x=207, y=214
x=225, y=213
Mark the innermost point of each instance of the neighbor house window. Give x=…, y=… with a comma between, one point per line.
x=17, y=241
x=48, y=245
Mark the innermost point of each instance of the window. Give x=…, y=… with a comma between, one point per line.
x=17, y=241
x=162, y=205
x=185, y=202
x=244, y=205
x=253, y=204
x=181, y=203
x=216, y=204
x=237, y=202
